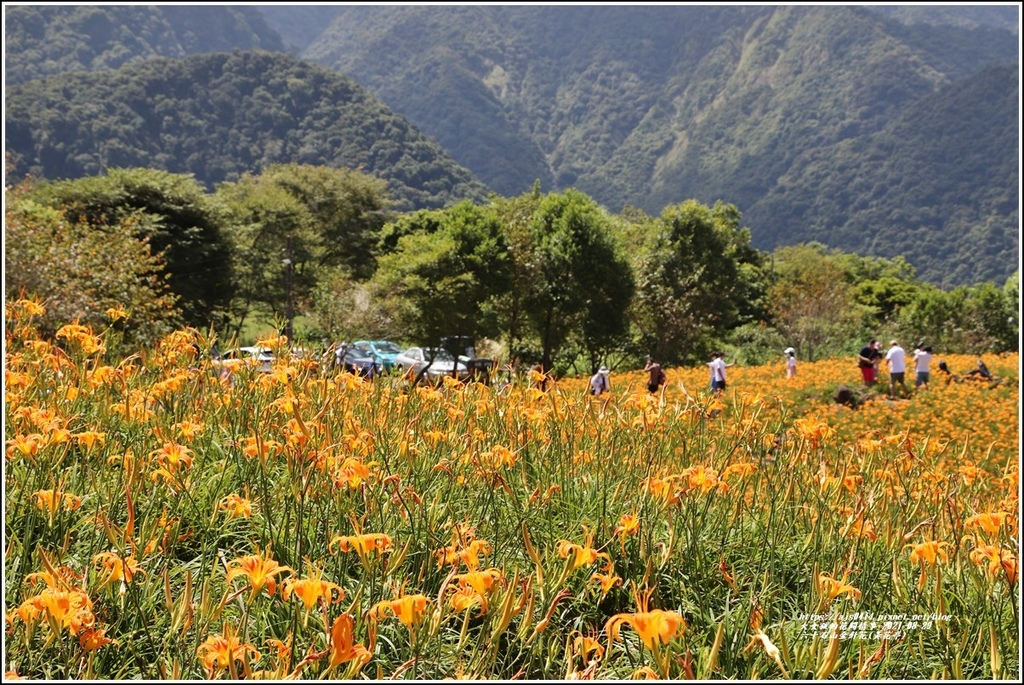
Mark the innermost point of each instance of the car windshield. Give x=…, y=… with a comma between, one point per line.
x=438, y=354
x=388, y=348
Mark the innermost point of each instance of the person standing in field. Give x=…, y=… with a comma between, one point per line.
x=866, y=362
x=922, y=366
x=599, y=382
x=713, y=368
x=657, y=375
x=718, y=367
x=896, y=358
x=790, y=362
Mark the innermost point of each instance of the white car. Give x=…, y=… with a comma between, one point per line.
x=414, y=359
x=249, y=356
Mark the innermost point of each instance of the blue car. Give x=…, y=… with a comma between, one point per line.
x=356, y=363
x=384, y=351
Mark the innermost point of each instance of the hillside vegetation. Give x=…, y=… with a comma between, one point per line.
x=221, y=115
x=754, y=105
x=44, y=40
x=881, y=130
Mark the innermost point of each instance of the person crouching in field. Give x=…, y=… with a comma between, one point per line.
x=599, y=383
x=790, y=362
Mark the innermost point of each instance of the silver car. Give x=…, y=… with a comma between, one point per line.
x=438, y=363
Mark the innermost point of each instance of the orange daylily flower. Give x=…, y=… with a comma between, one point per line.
x=583, y=646
x=830, y=588
x=989, y=522
x=31, y=308
x=90, y=438
x=27, y=445
x=93, y=639
x=259, y=570
x=929, y=552
x=362, y=544
x=116, y=313
x=608, y=579
x=310, y=590
x=116, y=568
x=408, y=609
x=70, y=609
x=352, y=473
x=655, y=627
x=582, y=555
x=742, y=469
x=483, y=582
x=236, y=505
x=173, y=456
x=628, y=525
x=465, y=597
x=219, y=652
x=469, y=555
x=1000, y=562
x=701, y=477
x=343, y=647
x=50, y=500
x=663, y=488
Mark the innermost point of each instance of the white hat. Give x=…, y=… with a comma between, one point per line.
x=788, y=350
x=603, y=369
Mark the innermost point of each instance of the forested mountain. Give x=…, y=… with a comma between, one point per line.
x=791, y=112
x=220, y=115
x=299, y=25
x=44, y=40
x=1005, y=16
x=887, y=130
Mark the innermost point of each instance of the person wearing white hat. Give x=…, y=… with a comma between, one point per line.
x=790, y=362
x=599, y=383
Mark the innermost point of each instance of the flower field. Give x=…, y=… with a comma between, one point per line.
x=163, y=522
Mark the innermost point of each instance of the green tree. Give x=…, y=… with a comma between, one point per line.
x=80, y=269
x=446, y=271
x=884, y=297
x=812, y=303
x=348, y=208
x=969, y=320
x=515, y=215
x=698, y=277
x=295, y=224
x=274, y=250
x=580, y=278
x=177, y=218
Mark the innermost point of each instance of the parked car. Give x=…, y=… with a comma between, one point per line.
x=464, y=348
x=441, y=363
x=354, y=361
x=261, y=357
x=385, y=351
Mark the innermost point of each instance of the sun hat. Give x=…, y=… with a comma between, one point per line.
x=603, y=369
x=893, y=342
x=788, y=350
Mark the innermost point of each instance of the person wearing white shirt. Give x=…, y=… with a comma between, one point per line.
x=896, y=358
x=599, y=382
x=922, y=366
